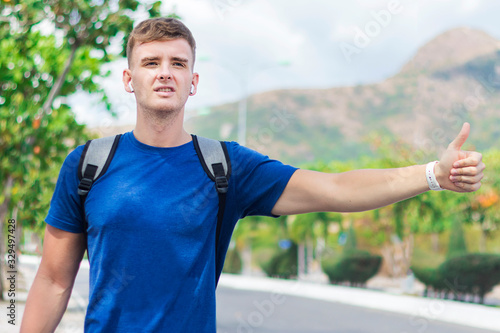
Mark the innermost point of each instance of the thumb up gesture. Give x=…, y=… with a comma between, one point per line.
x=458, y=170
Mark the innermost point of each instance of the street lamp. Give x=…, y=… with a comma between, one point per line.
x=242, y=75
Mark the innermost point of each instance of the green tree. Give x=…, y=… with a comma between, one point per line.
x=457, y=245
x=351, y=244
x=49, y=50
x=244, y=236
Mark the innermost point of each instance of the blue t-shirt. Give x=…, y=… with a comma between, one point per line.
x=151, y=232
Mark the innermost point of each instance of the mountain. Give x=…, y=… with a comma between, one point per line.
x=451, y=79
x=452, y=48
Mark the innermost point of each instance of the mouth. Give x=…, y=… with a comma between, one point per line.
x=165, y=89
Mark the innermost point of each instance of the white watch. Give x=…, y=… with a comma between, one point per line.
x=431, y=176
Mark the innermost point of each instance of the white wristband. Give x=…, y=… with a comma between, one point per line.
x=431, y=176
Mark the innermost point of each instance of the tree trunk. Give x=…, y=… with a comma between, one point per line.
x=435, y=242
x=482, y=241
x=310, y=257
x=408, y=253
x=56, y=88
x=246, y=255
x=301, y=260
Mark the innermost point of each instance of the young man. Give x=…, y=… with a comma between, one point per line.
x=152, y=216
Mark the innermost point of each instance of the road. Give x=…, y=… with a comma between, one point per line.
x=240, y=311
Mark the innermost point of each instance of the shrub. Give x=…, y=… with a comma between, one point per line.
x=430, y=277
x=469, y=274
x=283, y=264
x=474, y=274
x=354, y=267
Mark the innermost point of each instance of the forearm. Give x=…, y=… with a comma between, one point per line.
x=51, y=290
x=367, y=189
x=352, y=191
x=360, y=190
x=46, y=304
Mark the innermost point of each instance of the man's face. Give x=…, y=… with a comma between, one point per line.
x=161, y=75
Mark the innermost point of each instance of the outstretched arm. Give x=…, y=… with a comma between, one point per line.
x=359, y=190
x=49, y=295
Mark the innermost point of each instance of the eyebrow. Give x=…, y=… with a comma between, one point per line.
x=146, y=59
x=179, y=59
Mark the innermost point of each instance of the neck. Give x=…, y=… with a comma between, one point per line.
x=161, y=130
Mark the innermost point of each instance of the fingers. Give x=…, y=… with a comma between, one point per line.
x=464, y=187
x=461, y=137
x=470, y=159
x=461, y=171
x=468, y=178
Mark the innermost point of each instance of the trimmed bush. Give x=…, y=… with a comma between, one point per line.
x=354, y=267
x=472, y=274
x=283, y=264
x=430, y=277
x=475, y=274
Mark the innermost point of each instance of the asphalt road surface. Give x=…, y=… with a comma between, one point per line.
x=240, y=311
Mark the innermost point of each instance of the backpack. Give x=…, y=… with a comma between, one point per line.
x=214, y=158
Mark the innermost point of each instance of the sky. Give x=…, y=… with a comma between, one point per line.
x=251, y=46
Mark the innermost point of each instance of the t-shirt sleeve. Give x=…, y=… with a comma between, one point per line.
x=259, y=181
x=65, y=209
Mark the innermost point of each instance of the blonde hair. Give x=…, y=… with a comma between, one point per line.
x=160, y=28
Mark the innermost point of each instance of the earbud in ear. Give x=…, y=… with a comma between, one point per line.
x=130, y=86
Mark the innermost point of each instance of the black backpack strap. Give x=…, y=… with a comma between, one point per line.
x=215, y=161
x=96, y=157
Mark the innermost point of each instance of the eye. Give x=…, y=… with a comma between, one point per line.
x=178, y=64
x=150, y=63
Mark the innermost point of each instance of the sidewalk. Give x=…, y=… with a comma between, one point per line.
x=387, y=296
x=73, y=318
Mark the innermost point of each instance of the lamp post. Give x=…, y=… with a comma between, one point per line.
x=243, y=77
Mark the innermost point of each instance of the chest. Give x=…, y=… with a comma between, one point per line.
x=155, y=195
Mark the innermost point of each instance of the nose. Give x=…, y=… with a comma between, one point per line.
x=164, y=74
x=164, y=77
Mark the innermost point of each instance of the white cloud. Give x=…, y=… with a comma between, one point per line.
x=254, y=35
x=469, y=5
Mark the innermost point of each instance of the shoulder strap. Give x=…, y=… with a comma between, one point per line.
x=96, y=157
x=95, y=160
x=215, y=161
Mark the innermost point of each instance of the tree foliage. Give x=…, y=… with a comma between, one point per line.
x=457, y=245
x=49, y=50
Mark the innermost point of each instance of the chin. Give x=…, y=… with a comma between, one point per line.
x=165, y=112
x=162, y=112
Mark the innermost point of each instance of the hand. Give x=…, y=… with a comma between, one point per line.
x=458, y=170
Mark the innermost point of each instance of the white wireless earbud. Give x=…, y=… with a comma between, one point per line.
x=130, y=86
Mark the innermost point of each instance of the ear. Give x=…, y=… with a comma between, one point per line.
x=127, y=81
x=194, y=84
